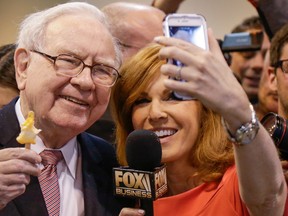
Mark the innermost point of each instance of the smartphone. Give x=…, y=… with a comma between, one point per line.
x=242, y=42
x=188, y=27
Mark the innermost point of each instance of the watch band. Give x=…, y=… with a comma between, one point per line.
x=246, y=132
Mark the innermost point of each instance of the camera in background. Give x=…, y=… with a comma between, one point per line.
x=240, y=42
x=277, y=129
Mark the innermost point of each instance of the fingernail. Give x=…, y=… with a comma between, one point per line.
x=157, y=39
x=141, y=211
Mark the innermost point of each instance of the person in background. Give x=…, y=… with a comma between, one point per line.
x=134, y=25
x=278, y=72
x=278, y=78
x=66, y=62
x=208, y=172
x=267, y=96
x=167, y=6
x=8, y=85
x=248, y=66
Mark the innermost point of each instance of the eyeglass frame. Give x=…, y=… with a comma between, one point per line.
x=279, y=64
x=54, y=58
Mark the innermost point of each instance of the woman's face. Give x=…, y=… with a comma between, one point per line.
x=175, y=122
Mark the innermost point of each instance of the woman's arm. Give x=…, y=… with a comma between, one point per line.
x=210, y=80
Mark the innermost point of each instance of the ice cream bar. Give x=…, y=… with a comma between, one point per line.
x=28, y=132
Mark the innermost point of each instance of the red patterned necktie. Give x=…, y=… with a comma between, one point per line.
x=48, y=180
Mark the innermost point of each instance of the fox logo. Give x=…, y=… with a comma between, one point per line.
x=132, y=180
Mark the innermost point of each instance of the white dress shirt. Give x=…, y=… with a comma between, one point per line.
x=69, y=173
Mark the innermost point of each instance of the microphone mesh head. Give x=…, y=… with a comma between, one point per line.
x=143, y=150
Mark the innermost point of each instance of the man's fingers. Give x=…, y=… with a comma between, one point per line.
x=19, y=153
x=15, y=178
x=8, y=193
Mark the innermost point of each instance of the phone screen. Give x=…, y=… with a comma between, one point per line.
x=192, y=34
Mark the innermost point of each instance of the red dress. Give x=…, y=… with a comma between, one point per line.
x=205, y=200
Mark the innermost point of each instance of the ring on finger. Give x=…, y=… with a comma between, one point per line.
x=178, y=76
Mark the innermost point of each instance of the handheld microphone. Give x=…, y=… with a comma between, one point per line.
x=145, y=178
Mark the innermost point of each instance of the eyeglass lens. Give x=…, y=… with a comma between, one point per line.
x=284, y=66
x=71, y=66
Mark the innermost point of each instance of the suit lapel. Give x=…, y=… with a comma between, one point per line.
x=32, y=201
x=90, y=160
x=97, y=162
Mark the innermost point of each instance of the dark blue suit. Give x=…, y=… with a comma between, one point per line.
x=98, y=158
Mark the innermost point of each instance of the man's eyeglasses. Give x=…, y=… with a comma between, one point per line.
x=71, y=66
x=283, y=64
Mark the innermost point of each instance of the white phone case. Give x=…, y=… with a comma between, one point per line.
x=188, y=27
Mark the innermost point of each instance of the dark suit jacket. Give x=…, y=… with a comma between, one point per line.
x=98, y=158
x=273, y=14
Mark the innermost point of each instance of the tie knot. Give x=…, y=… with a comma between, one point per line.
x=51, y=157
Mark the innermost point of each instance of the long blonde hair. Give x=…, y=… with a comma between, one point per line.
x=212, y=153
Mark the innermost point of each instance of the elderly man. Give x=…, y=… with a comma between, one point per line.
x=66, y=62
x=135, y=25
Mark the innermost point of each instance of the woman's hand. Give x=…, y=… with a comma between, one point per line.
x=132, y=212
x=209, y=78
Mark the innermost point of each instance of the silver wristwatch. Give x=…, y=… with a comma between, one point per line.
x=246, y=133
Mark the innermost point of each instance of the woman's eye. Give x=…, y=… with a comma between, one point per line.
x=141, y=101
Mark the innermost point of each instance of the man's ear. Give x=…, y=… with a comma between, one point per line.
x=272, y=79
x=21, y=61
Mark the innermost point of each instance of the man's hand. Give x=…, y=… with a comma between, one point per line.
x=16, y=166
